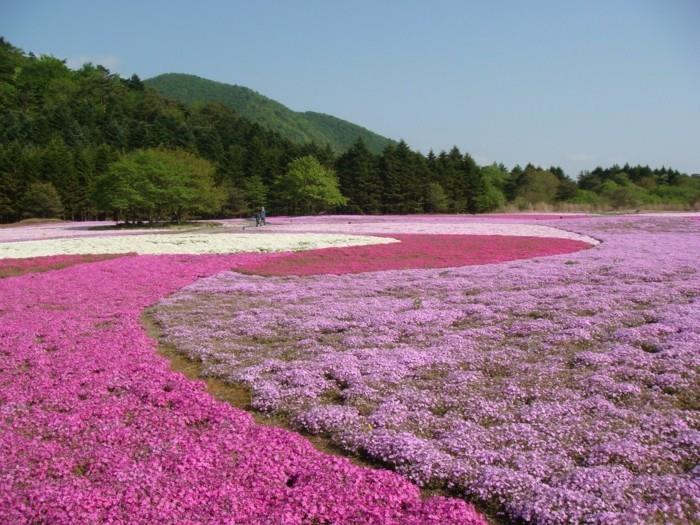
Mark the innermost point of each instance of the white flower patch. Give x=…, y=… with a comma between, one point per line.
x=185, y=243
x=474, y=228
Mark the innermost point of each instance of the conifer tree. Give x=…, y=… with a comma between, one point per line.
x=359, y=180
x=41, y=200
x=474, y=185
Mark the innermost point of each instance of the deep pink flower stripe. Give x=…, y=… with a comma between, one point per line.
x=417, y=251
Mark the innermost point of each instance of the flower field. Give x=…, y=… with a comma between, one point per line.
x=561, y=389
x=548, y=372
x=97, y=429
x=415, y=251
x=437, y=226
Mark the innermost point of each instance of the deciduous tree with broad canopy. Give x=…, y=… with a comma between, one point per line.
x=157, y=184
x=309, y=187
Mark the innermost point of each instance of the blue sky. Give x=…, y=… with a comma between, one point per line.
x=577, y=84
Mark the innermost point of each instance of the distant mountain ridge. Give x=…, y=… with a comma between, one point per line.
x=299, y=127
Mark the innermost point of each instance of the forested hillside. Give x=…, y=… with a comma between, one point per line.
x=296, y=126
x=66, y=132
x=66, y=127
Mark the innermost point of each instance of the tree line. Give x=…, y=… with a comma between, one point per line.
x=84, y=144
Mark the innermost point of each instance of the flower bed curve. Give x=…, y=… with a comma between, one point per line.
x=183, y=243
x=562, y=389
x=415, y=251
x=95, y=428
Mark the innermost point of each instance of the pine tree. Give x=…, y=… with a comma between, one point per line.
x=474, y=186
x=436, y=200
x=359, y=179
x=255, y=192
x=41, y=200
x=404, y=180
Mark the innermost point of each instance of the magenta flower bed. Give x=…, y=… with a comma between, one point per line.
x=563, y=389
x=15, y=267
x=95, y=427
x=415, y=251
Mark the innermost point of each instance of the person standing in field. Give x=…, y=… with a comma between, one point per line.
x=263, y=215
x=257, y=219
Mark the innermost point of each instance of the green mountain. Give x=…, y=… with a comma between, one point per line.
x=296, y=126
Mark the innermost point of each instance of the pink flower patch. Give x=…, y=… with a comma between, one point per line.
x=415, y=251
x=96, y=428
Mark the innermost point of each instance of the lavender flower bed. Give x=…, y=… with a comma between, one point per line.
x=563, y=389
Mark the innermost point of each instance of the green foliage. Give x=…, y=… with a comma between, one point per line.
x=308, y=187
x=491, y=198
x=449, y=170
x=587, y=198
x=537, y=186
x=157, y=184
x=41, y=200
x=687, y=192
x=623, y=194
x=69, y=128
x=66, y=127
x=497, y=175
x=298, y=127
x=235, y=203
x=255, y=192
x=7, y=209
x=359, y=179
x=567, y=189
x=405, y=177
x=436, y=201
x=638, y=186
x=475, y=186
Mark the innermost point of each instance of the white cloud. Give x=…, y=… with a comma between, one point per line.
x=111, y=62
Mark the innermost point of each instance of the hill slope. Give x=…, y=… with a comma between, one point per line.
x=295, y=126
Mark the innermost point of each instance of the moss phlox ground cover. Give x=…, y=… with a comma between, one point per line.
x=184, y=243
x=415, y=251
x=95, y=427
x=561, y=389
x=529, y=367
